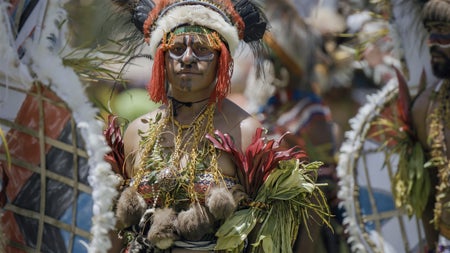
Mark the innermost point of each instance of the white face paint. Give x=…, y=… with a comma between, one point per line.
x=439, y=44
x=191, y=63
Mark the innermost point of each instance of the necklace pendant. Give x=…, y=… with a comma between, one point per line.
x=167, y=179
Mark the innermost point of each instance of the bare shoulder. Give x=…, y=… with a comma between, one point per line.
x=238, y=123
x=132, y=137
x=422, y=101
x=420, y=110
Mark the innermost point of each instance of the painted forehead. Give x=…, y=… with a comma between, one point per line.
x=190, y=38
x=194, y=35
x=438, y=26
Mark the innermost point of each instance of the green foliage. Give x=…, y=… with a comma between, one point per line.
x=411, y=182
x=288, y=195
x=94, y=64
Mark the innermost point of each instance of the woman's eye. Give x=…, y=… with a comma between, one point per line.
x=203, y=50
x=178, y=50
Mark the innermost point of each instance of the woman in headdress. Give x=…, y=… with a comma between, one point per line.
x=293, y=106
x=188, y=186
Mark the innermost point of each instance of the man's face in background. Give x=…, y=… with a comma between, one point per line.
x=439, y=43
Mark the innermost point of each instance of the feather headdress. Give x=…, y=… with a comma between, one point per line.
x=233, y=20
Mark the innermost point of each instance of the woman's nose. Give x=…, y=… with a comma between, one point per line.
x=188, y=56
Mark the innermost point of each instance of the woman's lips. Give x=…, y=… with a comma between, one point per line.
x=188, y=73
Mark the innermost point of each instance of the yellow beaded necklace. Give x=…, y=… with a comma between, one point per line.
x=173, y=174
x=438, y=120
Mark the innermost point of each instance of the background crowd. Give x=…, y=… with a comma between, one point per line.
x=323, y=60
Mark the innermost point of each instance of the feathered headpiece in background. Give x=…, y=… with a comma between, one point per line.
x=291, y=40
x=437, y=11
x=292, y=47
x=334, y=68
x=233, y=20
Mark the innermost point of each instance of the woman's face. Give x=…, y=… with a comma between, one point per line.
x=439, y=43
x=191, y=63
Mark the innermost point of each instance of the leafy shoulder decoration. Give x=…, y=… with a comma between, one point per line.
x=411, y=182
x=386, y=119
x=282, y=191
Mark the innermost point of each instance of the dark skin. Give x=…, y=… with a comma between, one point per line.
x=191, y=69
x=423, y=106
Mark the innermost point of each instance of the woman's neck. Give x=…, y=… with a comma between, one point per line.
x=185, y=111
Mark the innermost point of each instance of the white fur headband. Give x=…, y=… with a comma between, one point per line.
x=193, y=15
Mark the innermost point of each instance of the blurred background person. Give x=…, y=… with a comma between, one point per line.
x=430, y=118
x=285, y=99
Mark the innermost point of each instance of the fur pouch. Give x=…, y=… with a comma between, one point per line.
x=220, y=202
x=239, y=193
x=162, y=233
x=130, y=207
x=195, y=222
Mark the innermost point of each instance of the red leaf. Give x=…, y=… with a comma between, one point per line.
x=116, y=157
x=258, y=160
x=404, y=100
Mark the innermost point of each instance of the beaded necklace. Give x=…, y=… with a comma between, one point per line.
x=438, y=120
x=172, y=175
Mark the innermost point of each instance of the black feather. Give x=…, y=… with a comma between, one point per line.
x=121, y=2
x=124, y=4
x=254, y=19
x=140, y=13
